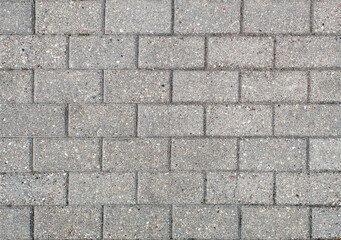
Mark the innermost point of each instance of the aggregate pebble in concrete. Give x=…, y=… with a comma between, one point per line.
x=326, y=16
x=204, y=154
x=205, y=222
x=170, y=188
x=238, y=120
x=325, y=86
x=202, y=86
x=135, y=154
x=326, y=223
x=325, y=154
x=125, y=86
x=138, y=16
x=33, y=189
x=272, y=154
x=14, y=155
x=31, y=120
x=101, y=120
x=67, y=86
x=16, y=86
x=67, y=222
x=15, y=223
x=171, y=52
x=66, y=154
x=101, y=188
x=136, y=222
x=202, y=16
x=68, y=17
x=275, y=223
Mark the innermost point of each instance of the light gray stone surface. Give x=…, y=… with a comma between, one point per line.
x=15, y=223
x=326, y=16
x=326, y=222
x=16, y=86
x=325, y=154
x=14, y=155
x=325, y=86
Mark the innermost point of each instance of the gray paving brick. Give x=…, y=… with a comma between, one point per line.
x=310, y=120
x=67, y=222
x=140, y=222
x=237, y=52
x=274, y=86
x=204, y=154
x=307, y=51
x=68, y=17
x=238, y=120
x=31, y=120
x=275, y=223
x=15, y=223
x=60, y=86
x=316, y=188
x=171, y=52
x=326, y=16
x=170, y=188
x=33, y=189
x=200, y=86
x=202, y=16
x=325, y=86
x=101, y=120
x=125, y=86
x=138, y=16
x=16, y=86
x=102, y=52
x=289, y=16
x=326, y=223
x=245, y=188
x=170, y=120
x=272, y=154
x=16, y=17
x=66, y=155
x=325, y=154
x=101, y=188
x=205, y=222
x=32, y=51
x=14, y=155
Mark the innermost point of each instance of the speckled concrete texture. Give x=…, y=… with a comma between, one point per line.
x=170, y=119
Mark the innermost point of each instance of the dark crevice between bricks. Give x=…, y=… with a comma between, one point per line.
x=273, y=113
x=136, y=186
x=67, y=188
x=274, y=188
x=33, y=13
x=310, y=223
x=102, y=86
x=102, y=223
x=308, y=156
x=169, y=154
x=239, y=86
x=32, y=82
x=206, y=53
x=67, y=120
x=173, y=16
x=239, y=222
x=101, y=153
x=311, y=16
x=238, y=154
x=104, y=3
x=274, y=53
x=308, y=86
x=171, y=222
x=241, y=16
x=171, y=86
x=68, y=51
x=136, y=120
x=31, y=155
x=205, y=119
x=204, y=201
x=32, y=222
x=137, y=50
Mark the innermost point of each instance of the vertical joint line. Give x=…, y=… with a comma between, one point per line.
x=67, y=188
x=274, y=188
x=136, y=186
x=67, y=120
x=101, y=153
x=173, y=16
x=310, y=222
x=102, y=86
x=137, y=51
x=103, y=15
x=204, y=173
x=171, y=86
x=68, y=51
x=206, y=52
x=308, y=156
x=32, y=222
x=238, y=155
x=239, y=222
x=31, y=155
x=204, y=119
x=308, y=86
x=32, y=82
x=311, y=16
x=170, y=154
x=34, y=16
x=171, y=222
x=241, y=16
x=273, y=119
x=274, y=53
x=102, y=223
x=239, y=87
x=136, y=119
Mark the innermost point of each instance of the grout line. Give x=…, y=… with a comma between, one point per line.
x=273, y=119
x=101, y=154
x=32, y=82
x=239, y=86
x=31, y=155
x=204, y=187
x=274, y=53
x=239, y=222
x=310, y=223
x=238, y=155
x=67, y=188
x=241, y=22
x=136, y=186
x=308, y=86
x=206, y=53
x=308, y=156
x=136, y=119
x=274, y=188
x=32, y=222
x=311, y=15
x=205, y=119
x=102, y=223
x=171, y=75
x=173, y=16
x=169, y=154
x=68, y=51
x=67, y=120
x=33, y=13
x=103, y=15
x=102, y=86
x=171, y=222
x=137, y=51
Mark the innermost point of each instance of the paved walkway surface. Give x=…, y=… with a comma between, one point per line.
x=170, y=119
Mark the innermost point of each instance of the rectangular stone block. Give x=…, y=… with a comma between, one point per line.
x=202, y=16
x=142, y=222
x=307, y=51
x=237, y=52
x=288, y=16
x=242, y=188
x=33, y=189
x=326, y=16
x=170, y=120
x=101, y=188
x=238, y=120
x=17, y=52
x=66, y=155
x=171, y=52
x=316, y=188
x=15, y=86
x=102, y=52
x=258, y=154
x=325, y=86
x=16, y=17
x=204, y=154
x=325, y=154
x=68, y=17
x=326, y=223
x=141, y=86
x=307, y=120
x=275, y=223
x=202, y=86
x=135, y=154
x=15, y=223
x=66, y=222
x=60, y=86
x=99, y=120
x=205, y=222
x=274, y=86
x=170, y=188
x=138, y=16
x=14, y=155
x=32, y=120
